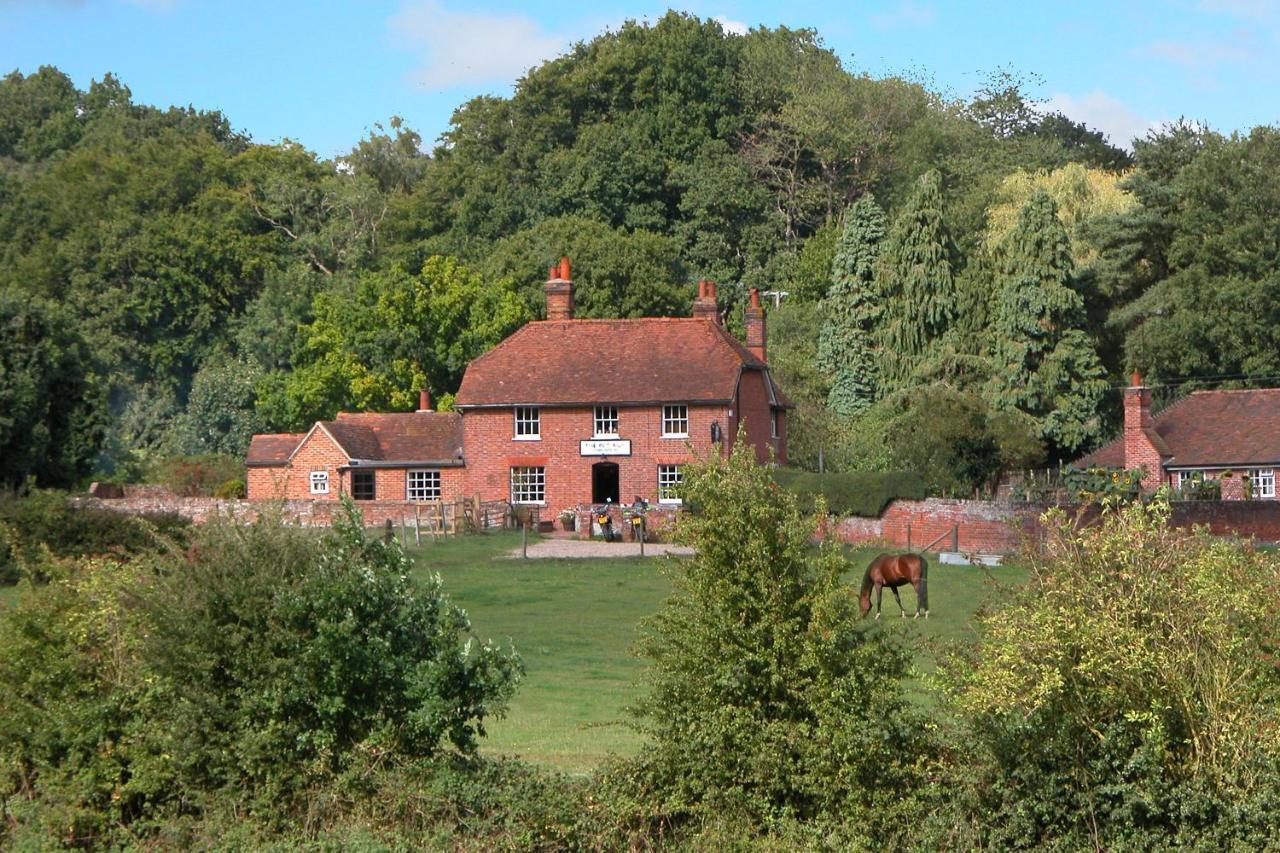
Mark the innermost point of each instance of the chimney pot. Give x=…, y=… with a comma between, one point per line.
x=755, y=297
x=559, y=291
x=424, y=401
x=564, y=268
x=704, y=306
x=1136, y=379
x=754, y=317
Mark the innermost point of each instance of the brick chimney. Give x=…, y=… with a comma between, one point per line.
x=704, y=306
x=559, y=290
x=424, y=401
x=754, y=316
x=1139, y=427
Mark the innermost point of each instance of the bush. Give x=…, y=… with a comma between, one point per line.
x=262, y=663
x=1127, y=697
x=196, y=476
x=767, y=699
x=46, y=519
x=231, y=489
x=864, y=493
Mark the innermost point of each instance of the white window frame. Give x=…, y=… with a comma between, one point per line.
x=527, y=423
x=601, y=419
x=1186, y=478
x=529, y=485
x=673, y=416
x=319, y=481
x=427, y=487
x=1262, y=483
x=669, y=479
x=773, y=423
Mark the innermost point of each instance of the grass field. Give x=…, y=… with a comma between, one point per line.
x=573, y=622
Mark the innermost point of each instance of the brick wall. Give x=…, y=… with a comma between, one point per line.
x=1256, y=519
x=753, y=411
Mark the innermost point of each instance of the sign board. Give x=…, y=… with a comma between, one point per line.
x=605, y=447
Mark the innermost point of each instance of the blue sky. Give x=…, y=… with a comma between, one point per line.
x=323, y=72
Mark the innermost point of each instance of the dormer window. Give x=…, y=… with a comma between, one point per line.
x=606, y=422
x=528, y=424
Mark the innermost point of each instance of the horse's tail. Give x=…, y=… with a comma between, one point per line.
x=924, y=584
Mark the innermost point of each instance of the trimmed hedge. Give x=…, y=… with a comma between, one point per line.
x=864, y=493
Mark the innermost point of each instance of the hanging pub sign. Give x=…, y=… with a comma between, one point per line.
x=605, y=447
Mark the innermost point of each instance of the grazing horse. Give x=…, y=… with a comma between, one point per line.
x=893, y=571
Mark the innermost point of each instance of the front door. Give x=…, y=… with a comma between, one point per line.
x=604, y=482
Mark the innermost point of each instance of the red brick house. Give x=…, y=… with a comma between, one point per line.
x=1228, y=436
x=564, y=412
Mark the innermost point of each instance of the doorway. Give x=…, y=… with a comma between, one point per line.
x=604, y=482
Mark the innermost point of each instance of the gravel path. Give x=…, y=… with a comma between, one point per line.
x=561, y=548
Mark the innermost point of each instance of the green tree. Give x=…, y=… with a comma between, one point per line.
x=1045, y=364
x=850, y=311
x=916, y=289
x=765, y=699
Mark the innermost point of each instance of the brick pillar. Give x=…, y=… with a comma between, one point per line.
x=1139, y=452
x=559, y=290
x=754, y=317
x=704, y=306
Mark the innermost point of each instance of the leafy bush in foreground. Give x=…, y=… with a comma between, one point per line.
x=864, y=493
x=262, y=663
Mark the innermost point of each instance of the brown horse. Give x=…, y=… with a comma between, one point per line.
x=893, y=571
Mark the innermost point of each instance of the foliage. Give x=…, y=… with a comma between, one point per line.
x=196, y=476
x=1127, y=696
x=851, y=311
x=862, y=493
x=259, y=664
x=1045, y=364
x=765, y=698
x=914, y=278
x=1102, y=485
x=219, y=416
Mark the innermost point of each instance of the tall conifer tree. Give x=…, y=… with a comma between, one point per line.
x=1046, y=365
x=915, y=281
x=849, y=312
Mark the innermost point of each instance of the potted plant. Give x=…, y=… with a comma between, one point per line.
x=568, y=519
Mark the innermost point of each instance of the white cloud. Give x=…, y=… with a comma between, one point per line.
x=458, y=48
x=733, y=28
x=906, y=14
x=1203, y=54
x=1102, y=112
x=1242, y=8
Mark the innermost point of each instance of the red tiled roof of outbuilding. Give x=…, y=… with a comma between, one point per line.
x=584, y=362
x=398, y=436
x=268, y=449
x=1209, y=429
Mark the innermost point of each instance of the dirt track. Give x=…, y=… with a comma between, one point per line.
x=581, y=548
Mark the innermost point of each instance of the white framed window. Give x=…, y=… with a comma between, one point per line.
x=319, y=482
x=1262, y=483
x=529, y=484
x=422, y=485
x=605, y=422
x=675, y=421
x=773, y=423
x=1189, y=479
x=364, y=485
x=669, y=480
x=528, y=423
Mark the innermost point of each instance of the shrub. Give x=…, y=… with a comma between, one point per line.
x=196, y=476
x=231, y=489
x=864, y=493
x=258, y=665
x=1127, y=697
x=766, y=698
x=1102, y=484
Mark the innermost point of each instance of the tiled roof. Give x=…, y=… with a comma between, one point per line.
x=1209, y=429
x=652, y=360
x=398, y=436
x=272, y=448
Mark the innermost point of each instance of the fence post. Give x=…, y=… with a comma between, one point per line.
x=524, y=540
x=908, y=536
x=417, y=526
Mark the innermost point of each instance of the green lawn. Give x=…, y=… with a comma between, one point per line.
x=573, y=621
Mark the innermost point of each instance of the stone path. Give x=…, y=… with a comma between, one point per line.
x=574, y=548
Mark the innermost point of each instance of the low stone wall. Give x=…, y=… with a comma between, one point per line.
x=319, y=513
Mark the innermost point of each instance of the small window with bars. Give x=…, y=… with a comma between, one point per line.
x=675, y=421
x=606, y=422
x=669, y=481
x=319, y=482
x=529, y=485
x=422, y=485
x=363, y=485
x=528, y=423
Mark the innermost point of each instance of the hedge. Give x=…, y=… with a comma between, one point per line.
x=864, y=493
